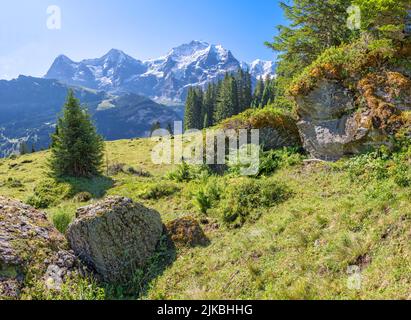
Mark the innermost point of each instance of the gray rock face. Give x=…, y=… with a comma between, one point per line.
x=332, y=125
x=30, y=244
x=115, y=236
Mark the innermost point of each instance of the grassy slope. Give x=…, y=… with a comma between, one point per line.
x=299, y=249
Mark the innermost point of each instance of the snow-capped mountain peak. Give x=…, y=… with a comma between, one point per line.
x=166, y=78
x=260, y=68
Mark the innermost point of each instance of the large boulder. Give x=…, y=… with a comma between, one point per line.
x=335, y=121
x=115, y=236
x=30, y=245
x=277, y=128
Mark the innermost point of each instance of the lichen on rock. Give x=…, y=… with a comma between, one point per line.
x=115, y=236
x=352, y=105
x=29, y=246
x=186, y=232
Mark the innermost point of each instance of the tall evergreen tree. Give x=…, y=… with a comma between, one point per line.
x=258, y=93
x=155, y=126
x=209, y=103
x=315, y=26
x=23, y=148
x=77, y=149
x=268, y=93
x=244, y=87
x=227, y=104
x=193, y=118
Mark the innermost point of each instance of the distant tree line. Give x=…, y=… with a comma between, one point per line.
x=229, y=96
x=24, y=148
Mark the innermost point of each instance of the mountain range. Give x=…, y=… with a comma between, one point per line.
x=29, y=108
x=165, y=79
x=125, y=96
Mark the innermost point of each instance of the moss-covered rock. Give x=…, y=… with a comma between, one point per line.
x=277, y=127
x=115, y=237
x=29, y=247
x=186, y=232
x=352, y=99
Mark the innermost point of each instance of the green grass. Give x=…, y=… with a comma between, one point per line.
x=334, y=216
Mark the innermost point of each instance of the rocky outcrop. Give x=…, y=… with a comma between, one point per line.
x=186, y=232
x=277, y=128
x=335, y=121
x=115, y=237
x=30, y=245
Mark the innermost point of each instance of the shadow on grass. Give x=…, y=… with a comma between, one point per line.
x=138, y=287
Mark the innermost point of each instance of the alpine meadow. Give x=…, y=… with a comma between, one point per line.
x=88, y=213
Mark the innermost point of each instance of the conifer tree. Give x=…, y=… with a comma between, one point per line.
x=209, y=103
x=23, y=148
x=170, y=128
x=258, y=93
x=155, y=126
x=268, y=93
x=227, y=104
x=194, y=110
x=77, y=149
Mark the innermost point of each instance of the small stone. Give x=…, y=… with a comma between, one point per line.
x=186, y=232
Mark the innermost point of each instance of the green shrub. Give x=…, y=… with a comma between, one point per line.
x=13, y=183
x=277, y=159
x=117, y=168
x=273, y=160
x=248, y=198
x=185, y=172
x=380, y=165
x=208, y=195
x=61, y=220
x=159, y=191
x=47, y=193
x=368, y=166
x=202, y=201
x=83, y=196
x=401, y=173
x=74, y=288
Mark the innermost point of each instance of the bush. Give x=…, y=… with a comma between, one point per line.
x=13, y=183
x=273, y=160
x=185, y=172
x=47, y=193
x=159, y=191
x=83, y=197
x=137, y=172
x=207, y=196
x=246, y=200
x=61, y=220
x=276, y=159
x=117, y=168
x=202, y=201
x=380, y=165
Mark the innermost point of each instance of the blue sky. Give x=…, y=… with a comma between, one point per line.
x=142, y=28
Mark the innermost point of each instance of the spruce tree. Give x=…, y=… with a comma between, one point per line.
x=258, y=93
x=155, y=126
x=267, y=93
x=23, y=148
x=76, y=149
x=194, y=110
x=209, y=102
x=227, y=104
